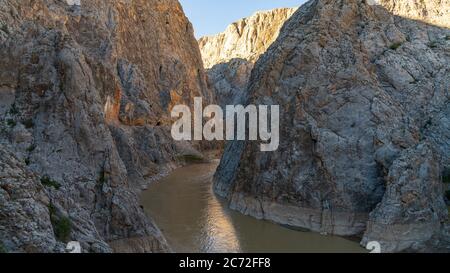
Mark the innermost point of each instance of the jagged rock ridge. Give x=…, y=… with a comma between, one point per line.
x=365, y=133
x=245, y=39
x=86, y=88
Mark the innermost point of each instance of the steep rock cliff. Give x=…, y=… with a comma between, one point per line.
x=245, y=39
x=86, y=88
x=364, y=127
x=230, y=56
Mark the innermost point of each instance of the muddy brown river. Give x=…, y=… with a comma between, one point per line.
x=194, y=219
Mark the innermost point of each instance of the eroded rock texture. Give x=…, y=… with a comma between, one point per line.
x=246, y=39
x=432, y=11
x=230, y=56
x=86, y=88
x=365, y=129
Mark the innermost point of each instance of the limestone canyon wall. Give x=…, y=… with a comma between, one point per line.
x=365, y=130
x=229, y=57
x=85, y=92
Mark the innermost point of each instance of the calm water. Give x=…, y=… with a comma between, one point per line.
x=194, y=219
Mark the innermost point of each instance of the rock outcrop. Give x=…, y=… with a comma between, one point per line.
x=229, y=57
x=434, y=12
x=364, y=127
x=245, y=39
x=86, y=88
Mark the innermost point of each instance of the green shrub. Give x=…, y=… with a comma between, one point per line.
x=432, y=44
x=28, y=123
x=101, y=179
x=395, y=46
x=4, y=28
x=2, y=248
x=447, y=194
x=46, y=181
x=62, y=229
x=446, y=179
x=51, y=210
x=191, y=158
x=62, y=226
x=11, y=123
x=27, y=161
x=447, y=37
x=31, y=148
x=13, y=110
x=446, y=176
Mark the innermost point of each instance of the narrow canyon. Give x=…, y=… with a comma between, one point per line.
x=86, y=93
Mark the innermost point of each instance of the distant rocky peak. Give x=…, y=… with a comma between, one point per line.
x=434, y=12
x=246, y=39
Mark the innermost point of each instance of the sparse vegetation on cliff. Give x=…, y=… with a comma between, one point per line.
x=395, y=46
x=433, y=44
x=34, y=73
x=28, y=123
x=13, y=110
x=446, y=177
x=101, y=179
x=62, y=226
x=305, y=67
x=2, y=248
x=31, y=148
x=48, y=182
x=11, y=123
x=4, y=28
x=191, y=158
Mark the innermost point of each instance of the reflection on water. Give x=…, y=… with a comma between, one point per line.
x=193, y=219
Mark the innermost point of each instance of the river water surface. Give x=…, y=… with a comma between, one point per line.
x=193, y=219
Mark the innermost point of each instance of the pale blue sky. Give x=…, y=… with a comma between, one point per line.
x=213, y=16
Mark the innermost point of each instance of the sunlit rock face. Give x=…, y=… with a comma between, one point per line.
x=230, y=56
x=365, y=133
x=245, y=39
x=434, y=12
x=87, y=88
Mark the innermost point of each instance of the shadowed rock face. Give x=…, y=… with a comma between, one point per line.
x=230, y=56
x=229, y=81
x=365, y=134
x=86, y=91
